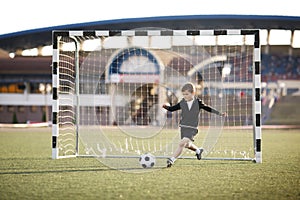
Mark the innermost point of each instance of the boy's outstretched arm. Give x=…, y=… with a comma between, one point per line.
x=172, y=108
x=211, y=109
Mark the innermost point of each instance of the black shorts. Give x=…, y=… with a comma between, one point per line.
x=188, y=133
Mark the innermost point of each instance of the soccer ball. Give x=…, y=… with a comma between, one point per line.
x=147, y=160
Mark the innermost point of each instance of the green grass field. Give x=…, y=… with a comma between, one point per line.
x=28, y=172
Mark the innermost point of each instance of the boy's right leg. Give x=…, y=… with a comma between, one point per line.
x=182, y=144
x=170, y=162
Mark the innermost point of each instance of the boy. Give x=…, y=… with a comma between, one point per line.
x=190, y=107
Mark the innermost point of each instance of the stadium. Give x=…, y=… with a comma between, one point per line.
x=112, y=109
x=31, y=50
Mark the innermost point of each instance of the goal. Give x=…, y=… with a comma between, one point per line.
x=109, y=87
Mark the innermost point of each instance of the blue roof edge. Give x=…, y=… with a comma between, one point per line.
x=145, y=19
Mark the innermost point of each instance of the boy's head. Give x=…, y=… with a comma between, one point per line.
x=188, y=91
x=188, y=87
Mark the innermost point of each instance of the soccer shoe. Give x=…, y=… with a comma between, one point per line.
x=199, y=154
x=169, y=162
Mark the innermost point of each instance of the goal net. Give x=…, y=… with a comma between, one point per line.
x=109, y=88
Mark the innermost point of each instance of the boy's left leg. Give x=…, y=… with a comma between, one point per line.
x=198, y=151
x=190, y=134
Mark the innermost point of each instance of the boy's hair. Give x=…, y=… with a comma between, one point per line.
x=188, y=87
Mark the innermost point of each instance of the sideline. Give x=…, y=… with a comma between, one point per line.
x=27, y=125
x=48, y=124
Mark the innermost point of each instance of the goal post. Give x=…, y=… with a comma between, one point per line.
x=109, y=87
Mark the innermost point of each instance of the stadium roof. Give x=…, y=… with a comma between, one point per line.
x=43, y=36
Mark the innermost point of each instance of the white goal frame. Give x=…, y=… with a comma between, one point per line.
x=57, y=101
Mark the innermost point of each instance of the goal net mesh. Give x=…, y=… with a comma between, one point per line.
x=112, y=88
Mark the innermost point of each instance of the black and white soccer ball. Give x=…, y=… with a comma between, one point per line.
x=147, y=160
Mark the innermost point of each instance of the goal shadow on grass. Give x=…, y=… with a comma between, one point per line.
x=23, y=166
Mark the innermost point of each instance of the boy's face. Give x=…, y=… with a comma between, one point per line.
x=188, y=96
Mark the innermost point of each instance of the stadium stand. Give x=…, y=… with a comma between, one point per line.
x=280, y=67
